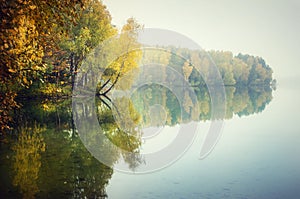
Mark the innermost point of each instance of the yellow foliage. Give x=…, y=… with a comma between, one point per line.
x=126, y=115
x=27, y=160
x=187, y=102
x=187, y=70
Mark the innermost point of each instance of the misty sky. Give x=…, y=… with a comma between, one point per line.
x=265, y=28
x=270, y=29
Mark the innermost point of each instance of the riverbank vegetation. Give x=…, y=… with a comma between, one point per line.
x=43, y=43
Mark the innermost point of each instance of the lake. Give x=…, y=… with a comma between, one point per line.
x=255, y=156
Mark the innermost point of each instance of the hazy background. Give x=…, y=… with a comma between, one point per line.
x=269, y=29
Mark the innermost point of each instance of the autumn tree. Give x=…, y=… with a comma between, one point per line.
x=187, y=70
x=93, y=27
x=223, y=62
x=126, y=64
x=241, y=71
x=27, y=32
x=260, y=73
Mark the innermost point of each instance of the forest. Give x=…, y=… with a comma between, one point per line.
x=50, y=47
x=43, y=44
x=238, y=70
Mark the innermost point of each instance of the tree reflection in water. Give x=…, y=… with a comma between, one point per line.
x=50, y=160
x=27, y=159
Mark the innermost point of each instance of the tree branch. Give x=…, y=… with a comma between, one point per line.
x=116, y=80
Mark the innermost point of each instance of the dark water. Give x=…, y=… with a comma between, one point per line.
x=257, y=155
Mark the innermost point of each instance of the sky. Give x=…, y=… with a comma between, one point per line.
x=269, y=29
x=266, y=28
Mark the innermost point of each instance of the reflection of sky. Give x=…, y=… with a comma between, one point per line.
x=156, y=138
x=269, y=29
x=256, y=157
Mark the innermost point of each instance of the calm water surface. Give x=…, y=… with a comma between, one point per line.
x=257, y=156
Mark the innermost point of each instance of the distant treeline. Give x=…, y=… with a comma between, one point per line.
x=196, y=66
x=43, y=44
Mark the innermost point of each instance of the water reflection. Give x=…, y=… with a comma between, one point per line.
x=27, y=160
x=69, y=171
x=46, y=160
x=241, y=101
x=46, y=157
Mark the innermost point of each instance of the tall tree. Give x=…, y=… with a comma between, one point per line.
x=26, y=34
x=93, y=27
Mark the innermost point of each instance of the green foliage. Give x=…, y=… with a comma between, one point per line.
x=53, y=162
x=260, y=72
x=93, y=27
x=234, y=70
x=44, y=42
x=28, y=30
x=239, y=101
x=120, y=124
